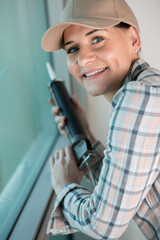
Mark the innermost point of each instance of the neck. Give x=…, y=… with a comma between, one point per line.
x=109, y=96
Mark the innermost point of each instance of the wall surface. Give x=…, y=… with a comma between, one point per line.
x=148, y=16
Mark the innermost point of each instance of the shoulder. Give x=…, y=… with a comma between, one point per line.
x=141, y=82
x=149, y=76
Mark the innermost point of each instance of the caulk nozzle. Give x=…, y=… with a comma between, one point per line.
x=51, y=72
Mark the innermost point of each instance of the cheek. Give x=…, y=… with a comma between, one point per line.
x=73, y=70
x=124, y=52
x=117, y=50
x=119, y=60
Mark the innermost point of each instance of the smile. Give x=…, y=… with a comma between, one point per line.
x=93, y=73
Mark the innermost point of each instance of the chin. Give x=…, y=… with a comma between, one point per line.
x=95, y=93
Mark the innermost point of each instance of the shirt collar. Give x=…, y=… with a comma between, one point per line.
x=137, y=68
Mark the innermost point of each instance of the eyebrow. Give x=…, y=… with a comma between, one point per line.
x=87, y=34
x=91, y=32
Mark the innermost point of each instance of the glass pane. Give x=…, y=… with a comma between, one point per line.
x=26, y=126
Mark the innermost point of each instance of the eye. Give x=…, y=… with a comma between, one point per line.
x=97, y=39
x=72, y=50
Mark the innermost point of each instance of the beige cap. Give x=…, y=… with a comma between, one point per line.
x=97, y=14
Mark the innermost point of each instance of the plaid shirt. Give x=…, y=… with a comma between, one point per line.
x=129, y=178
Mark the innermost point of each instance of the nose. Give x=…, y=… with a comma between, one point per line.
x=86, y=57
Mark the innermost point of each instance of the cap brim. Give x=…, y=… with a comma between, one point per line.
x=52, y=39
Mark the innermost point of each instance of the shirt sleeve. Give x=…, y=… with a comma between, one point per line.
x=129, y=167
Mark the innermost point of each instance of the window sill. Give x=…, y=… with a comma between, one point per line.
x=28, y=226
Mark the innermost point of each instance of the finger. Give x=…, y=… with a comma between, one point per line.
x=61, y=121
x=50, y=100
x=55, y=110
x=61, y=154
x=69, y=153
x=61, y=127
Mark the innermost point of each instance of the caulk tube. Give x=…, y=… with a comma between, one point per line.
x=62, y=99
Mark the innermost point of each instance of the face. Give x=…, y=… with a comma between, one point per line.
x=99, y=59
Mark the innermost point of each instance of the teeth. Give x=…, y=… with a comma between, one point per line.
x=94, y=73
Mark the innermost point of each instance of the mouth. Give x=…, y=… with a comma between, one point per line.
x=93, y=73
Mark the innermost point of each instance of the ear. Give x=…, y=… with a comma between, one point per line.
x=134, y=40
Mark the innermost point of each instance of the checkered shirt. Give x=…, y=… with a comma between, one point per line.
x=128, y=172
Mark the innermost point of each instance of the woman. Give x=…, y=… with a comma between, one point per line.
x=102, y=44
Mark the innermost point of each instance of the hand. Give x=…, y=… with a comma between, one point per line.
x=64, y=169
x=60, y=120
